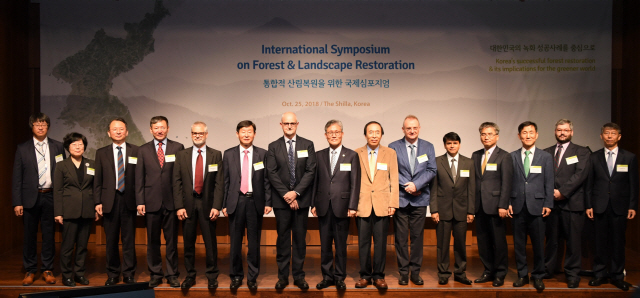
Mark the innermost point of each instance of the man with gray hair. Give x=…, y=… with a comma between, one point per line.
x=571, y=164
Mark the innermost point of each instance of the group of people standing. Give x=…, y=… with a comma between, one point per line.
x=547, y=193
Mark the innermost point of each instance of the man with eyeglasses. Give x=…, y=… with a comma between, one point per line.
x=416, y=170
x=334, y=202
x=32, y=196
x=198, y=190
x=494, y=172
x=291, y=168
x=571, y=164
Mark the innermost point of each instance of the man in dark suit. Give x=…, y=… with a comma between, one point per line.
x=115, y=198
x=32, y=196
x=335, y=201
x=612, y=199
x=571, y=164
x=291, y=168
x=416, y=168
x=154, y=197
x=198, y=193
x=452, y=207
x=247, y=197
x=531, y=202
x=494, y=172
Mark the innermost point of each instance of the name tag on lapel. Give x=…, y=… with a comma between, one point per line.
x=213, y=167
x=91, y=171
x=535, y=170
x=622, y=168
x=258, y=166
x=303, y=153
x=422, y=158
x=491, y=167
x=464, y=173
x=345, y=167
x=59, y=158
x=572, y=159
x=382, y=166
x=133, y=160
x=170, y=158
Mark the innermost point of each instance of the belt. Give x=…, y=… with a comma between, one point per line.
x=197, y=195
x=45, y=190
x=246, y=195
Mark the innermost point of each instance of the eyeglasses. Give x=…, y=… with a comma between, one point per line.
x=40, y=125
x=491, y=135
x=333, y=133
x=198, y=134
x=289, y=123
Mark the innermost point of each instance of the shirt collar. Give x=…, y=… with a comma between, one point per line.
x=203, y=148
x=615, y=150
x=115, y=146
x=532, y=150
x=490, y=150
x=369, y=150
x=242, y=149
x=457, y=157
x=406, y=143
x=564, y=146
x=286, y=140
x=155, y=142
x=45, y=141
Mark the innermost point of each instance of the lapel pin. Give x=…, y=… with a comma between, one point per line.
x=86, y=164
x=342, y=155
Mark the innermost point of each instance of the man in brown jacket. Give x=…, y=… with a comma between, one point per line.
x=379, y=199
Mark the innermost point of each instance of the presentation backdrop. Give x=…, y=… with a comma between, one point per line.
x=453, y=64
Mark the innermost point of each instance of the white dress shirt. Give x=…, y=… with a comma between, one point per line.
x=47, y=160
x=531, y=152
x=564, y=149
x=457, y=158
x=614, y=155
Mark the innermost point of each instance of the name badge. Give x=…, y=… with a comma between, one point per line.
x=422, y=158
x=91, y=171
x=303, y=153
x=572, y=159
x=345, y=167
x=535, y=170
x=258, y=166
x=622, y=168
x=59, y=158
x=491, y=167
x=213, y=167
x=133, y=160
x=464, y=173
x=382, y=166
x=170, y=158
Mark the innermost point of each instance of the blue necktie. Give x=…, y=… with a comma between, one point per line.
x=120, y=170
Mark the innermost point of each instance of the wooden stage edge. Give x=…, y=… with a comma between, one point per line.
x=11, y=274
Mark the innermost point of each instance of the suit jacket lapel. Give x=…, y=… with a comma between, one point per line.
x=190, y=167
x=255, y=159
x=619, y=160
x=520, y=162
x=341, y=158
x=364, y=159
x=404, y=156
x=52, y=156
x=283, y=150
x=444, y=162
x=32, y=156
x=71, y=167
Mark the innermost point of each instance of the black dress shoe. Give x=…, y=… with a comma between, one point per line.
x=155, y=281
x=324, y=284
x=443, y=280
x=484, y=278
x=403, y=280
x=547, y=276
x=252, y=285
x=281, y=284
x=68, y=282
x=340, y=285
x=235, y=283
x=573, y=283
x=112, y=281
x=173, y=282
x=416, y=279
x=301, y=283
x=498, y=281
x=521, y=282
x=188, y=282
x=538, y=284
x=597, y=281
x=129, y=280
x=463, y=280
x=82, y=280
x=212, y=284
x=620, y=284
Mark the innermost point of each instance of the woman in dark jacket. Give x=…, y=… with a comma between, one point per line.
x=73, y=207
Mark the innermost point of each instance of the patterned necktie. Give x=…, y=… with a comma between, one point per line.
x=42, y=165
x=484, y=162
x=526, y=163
x=244, y=179
x=292, y=165
x=333, y=161
x=372, y=165
x=160, y=154
x=556, y=160
x=454, y=171
x=120, y=170
x=412, y=159
x=610, y=162
x=198, y=179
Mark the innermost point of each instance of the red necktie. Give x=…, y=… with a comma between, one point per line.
x=160, y=154
x=198, y=174
x=244, y=184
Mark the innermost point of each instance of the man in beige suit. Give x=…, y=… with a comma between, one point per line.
x=379, y=199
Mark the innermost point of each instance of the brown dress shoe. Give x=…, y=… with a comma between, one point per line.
x=380, y=283
x=48, y=277
x=28, y=279
x=362, y=283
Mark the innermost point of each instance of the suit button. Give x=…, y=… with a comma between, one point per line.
x=526, y=183
x=372, y=191
x=331, y=182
